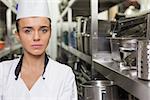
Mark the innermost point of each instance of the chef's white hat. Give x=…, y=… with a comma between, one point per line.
x=32, y=8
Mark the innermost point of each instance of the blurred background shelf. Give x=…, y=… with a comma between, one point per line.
x=75, y=52
x=10, y=4
x=5, y=51
x=125, y=78
x=83, y=7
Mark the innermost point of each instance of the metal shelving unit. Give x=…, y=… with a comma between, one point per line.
x=82, y=7
x=7, y=50
x=125, y=78
x=75, y=52
x=102, y=63
x=9, y=5
x=86, y=8
x=122, y=77
x=4, y=51
x=70, y=3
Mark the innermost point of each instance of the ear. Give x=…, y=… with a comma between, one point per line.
x=17, y=35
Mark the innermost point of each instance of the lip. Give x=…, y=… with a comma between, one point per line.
x=37, y=45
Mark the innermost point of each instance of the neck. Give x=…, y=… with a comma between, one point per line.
x=33, y=61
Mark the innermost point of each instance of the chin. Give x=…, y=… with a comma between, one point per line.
x=37, y=53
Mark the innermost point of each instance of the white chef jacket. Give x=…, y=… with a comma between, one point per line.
x=59, y=83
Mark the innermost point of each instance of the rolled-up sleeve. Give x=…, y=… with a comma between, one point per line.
x=1, y=80
x=70, y=89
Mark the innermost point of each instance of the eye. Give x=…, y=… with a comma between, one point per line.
x=44, y=30
x=28, y=31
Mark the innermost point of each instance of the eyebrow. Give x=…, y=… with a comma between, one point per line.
x=44, y=27
x=32, y=27
x=27, y=27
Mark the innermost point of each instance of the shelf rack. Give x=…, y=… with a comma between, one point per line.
x=123, y=77
x=5, y=51
x=9, y=5
x=82, y=7
x=77, y=53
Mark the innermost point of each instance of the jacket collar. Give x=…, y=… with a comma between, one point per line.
x=19, y=66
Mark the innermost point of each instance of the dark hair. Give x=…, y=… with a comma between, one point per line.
x=17, y=24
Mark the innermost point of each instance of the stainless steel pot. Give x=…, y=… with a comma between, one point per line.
x=124, y=50
x=96, y=90
x=128, y=52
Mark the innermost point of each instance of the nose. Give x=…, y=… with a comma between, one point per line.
x=36, y=36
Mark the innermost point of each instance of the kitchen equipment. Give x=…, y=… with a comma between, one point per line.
x=129, y=27
x=125, y=34
x=115, y=52
x=143, y=60
x=96, y=90
x=123, y=51
x=80, y=28
x=65, y=37
x=72, y=40
x=128, y=53
x=136, y=31
x=87, y=44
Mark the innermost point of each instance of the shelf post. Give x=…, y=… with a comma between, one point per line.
x=69, y=22
x=94, y=29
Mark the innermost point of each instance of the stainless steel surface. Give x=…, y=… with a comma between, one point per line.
x=82, y=7
x=115, y=45
x=129, y=27
x=144, y=59
x=96, y=90
x=9, y=21
x=128, y=52
x=128, y=47
x=9, y=5
x=77, y=53
x=131, y=44
x=124, y=51
x=8, y=49
x=87, y=44
x=80, y=25
x=70, y=20
x=126, y=79
x=148, y=26
x=94, y=28
x=94, y=25
x=86, y=35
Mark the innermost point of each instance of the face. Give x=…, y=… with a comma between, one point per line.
x=34, y=34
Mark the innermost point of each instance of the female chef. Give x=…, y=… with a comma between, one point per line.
x=35, y=76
